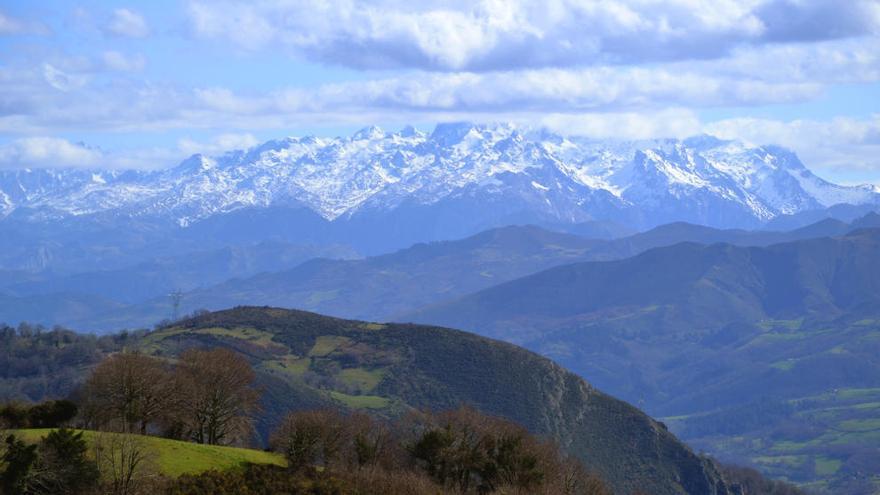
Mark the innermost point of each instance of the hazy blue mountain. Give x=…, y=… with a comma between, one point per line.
x=754, y=353
x=160, y=276
x=841, y=212
x=378, y=288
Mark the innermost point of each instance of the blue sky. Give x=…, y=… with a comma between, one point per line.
x=144, y=84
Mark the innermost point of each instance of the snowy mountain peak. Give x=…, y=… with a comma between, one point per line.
x=532, y=174
x=368, y=134
x=410, y=132
x=197, y=163
x=451, y=133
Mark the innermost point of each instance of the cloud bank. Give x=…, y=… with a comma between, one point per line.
x=489, y=35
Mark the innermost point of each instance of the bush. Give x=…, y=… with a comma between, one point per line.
x=255, y=480
x=751, y=482
x=460, y=451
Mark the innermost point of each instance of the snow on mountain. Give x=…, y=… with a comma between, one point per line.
x=701, y=179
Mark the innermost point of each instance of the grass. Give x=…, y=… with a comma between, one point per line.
x=318, y=297
x=324, y=345
x=786, y=365
x=365, y=380
x=866, y=323
x=858, y=393
x=788, y=446
x=860, y=425
x=781, y=324
x=826, y=466
x=252, y=335
x=289, y=364
x=361, y=401
x=819, y=458
x=174, y=457
x=787, y=460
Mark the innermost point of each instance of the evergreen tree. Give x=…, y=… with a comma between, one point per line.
x=18, y=461
x=64, y=467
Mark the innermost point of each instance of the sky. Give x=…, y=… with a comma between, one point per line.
x=145, y=84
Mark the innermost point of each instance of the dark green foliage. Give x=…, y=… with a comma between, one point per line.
x=36, y=363
x=750, y=482
x=309, y=438
x=267, y=480
x=63, y=466
x=57, y=465
x=17, y=463
x=509, y=463
x=52, y=414
x=462, y=451
x=466, y=450
x=48, y=414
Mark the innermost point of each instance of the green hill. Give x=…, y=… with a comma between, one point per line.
x=764, y=355
x=305, y=360
x=174, y=458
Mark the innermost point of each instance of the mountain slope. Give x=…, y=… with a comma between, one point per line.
x=730, y=343
x=307, y=360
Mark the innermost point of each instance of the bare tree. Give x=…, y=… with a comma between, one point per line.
x=127, y=391
x=217, y=397
x=125, y=463
x=370, y=442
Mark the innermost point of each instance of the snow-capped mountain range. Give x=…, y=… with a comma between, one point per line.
x=477, y=174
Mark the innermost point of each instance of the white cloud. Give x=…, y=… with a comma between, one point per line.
x=514, y=34
x=54, y=152
x=127, y=23
x=11, y=26
x=219, y=144
x=28, y=106
x=667, y=123
x=116, y=61
x=47, y=152
x=61, y=80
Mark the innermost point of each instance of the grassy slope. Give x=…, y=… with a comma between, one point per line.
x=174, y=457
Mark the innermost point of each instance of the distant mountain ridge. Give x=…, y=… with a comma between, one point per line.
x=374, y=288
x=762, y=355
x=474, y=176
